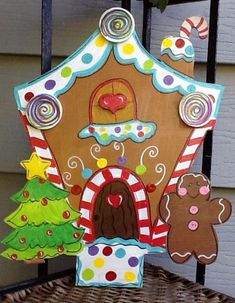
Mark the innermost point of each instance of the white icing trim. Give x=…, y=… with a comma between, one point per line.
x=169, y=212
x=207, y=257
x=223, y=209
x=181, y=255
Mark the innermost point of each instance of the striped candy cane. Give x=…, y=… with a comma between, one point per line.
x=197, y=22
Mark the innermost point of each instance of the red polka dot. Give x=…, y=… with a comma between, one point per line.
x=14, y=256
x=66, y=214
x=140, y=134
x=41, y=181
x=179, y=43
x=40, y=254
x=22, y=240
x=44, y=202
x=76, y=235
x=24, y=218
x=91, y=129
x=28, y=96
x=49, y=232
x=60, y=249
x=110, y=276
x=107, y=251
x=151, y=188
x=76, y=190
x=25, y=194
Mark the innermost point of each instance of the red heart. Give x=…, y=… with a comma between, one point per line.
x=114, y=200
x=113, y=102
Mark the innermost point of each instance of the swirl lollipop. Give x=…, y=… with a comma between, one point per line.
x=116, y=25
x=44, y=111
x=195, y=109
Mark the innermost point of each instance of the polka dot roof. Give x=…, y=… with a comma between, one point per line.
x=93, y=54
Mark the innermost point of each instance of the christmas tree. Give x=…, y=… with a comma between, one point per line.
x=44, y=221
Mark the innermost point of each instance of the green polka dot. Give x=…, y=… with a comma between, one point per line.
x=128, y=127
x=66, y=72
x=141, y=169
x=148, y=64
x=104, y=137
x=88, y=274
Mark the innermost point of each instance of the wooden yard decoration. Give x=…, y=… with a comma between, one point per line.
x=120, y=128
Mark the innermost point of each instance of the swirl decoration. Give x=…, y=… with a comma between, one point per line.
x=44, y=111
x=160, y=168
x=66, y=176
x=116, y=25
x=196, y=109
x=95, y=148
x=153, y=152
x=101, y=162
x=122, y=159
x=73, y=163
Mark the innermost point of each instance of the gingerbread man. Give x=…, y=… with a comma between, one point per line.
x=191, y=216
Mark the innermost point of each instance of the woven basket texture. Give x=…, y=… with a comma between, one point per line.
x=160, y=286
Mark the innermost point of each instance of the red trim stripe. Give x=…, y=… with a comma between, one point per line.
x=54, y=178
x=200, y=23
x=85, y=205
x=183, y=29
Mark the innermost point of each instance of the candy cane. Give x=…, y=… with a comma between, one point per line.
x=194, y=22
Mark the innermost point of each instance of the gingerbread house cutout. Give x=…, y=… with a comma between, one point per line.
x=120, y=127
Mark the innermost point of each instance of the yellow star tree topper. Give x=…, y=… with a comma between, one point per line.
x=35, y=167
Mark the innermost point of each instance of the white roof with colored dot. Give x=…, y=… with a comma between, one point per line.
x=91, y=57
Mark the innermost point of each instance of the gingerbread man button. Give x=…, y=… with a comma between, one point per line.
x=191, y=214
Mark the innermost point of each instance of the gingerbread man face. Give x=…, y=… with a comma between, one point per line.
x=193, y=186
x=191, y=215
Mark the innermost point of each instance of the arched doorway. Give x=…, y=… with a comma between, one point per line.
x=114, y=213
x=114, y=196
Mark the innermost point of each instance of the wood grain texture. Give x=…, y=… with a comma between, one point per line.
x=219, y=275
x=15, y=70
x=75, y=20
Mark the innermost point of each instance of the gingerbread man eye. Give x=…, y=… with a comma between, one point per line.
x=198, y=183
x=190, y=184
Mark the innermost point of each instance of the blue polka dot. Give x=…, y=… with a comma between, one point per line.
x=191, y=88
x=189, y=50
x=87, y=58
x=120, y=253
x=86, y=173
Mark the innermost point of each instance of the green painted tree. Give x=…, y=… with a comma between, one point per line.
x=43, y=223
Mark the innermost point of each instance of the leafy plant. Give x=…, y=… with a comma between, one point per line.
x=161, y=4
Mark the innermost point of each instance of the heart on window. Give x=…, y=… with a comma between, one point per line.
x=113, y=102
x=114, y=200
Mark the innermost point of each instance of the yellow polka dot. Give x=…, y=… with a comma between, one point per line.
x=147, y=129
x=102, y=162
x=167, y=42
x=99, y=262
x=130, y=276
x=102, y=129
x=100, y=41
x=128, y=49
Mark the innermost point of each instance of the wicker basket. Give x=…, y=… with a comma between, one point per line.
x=160, y=286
